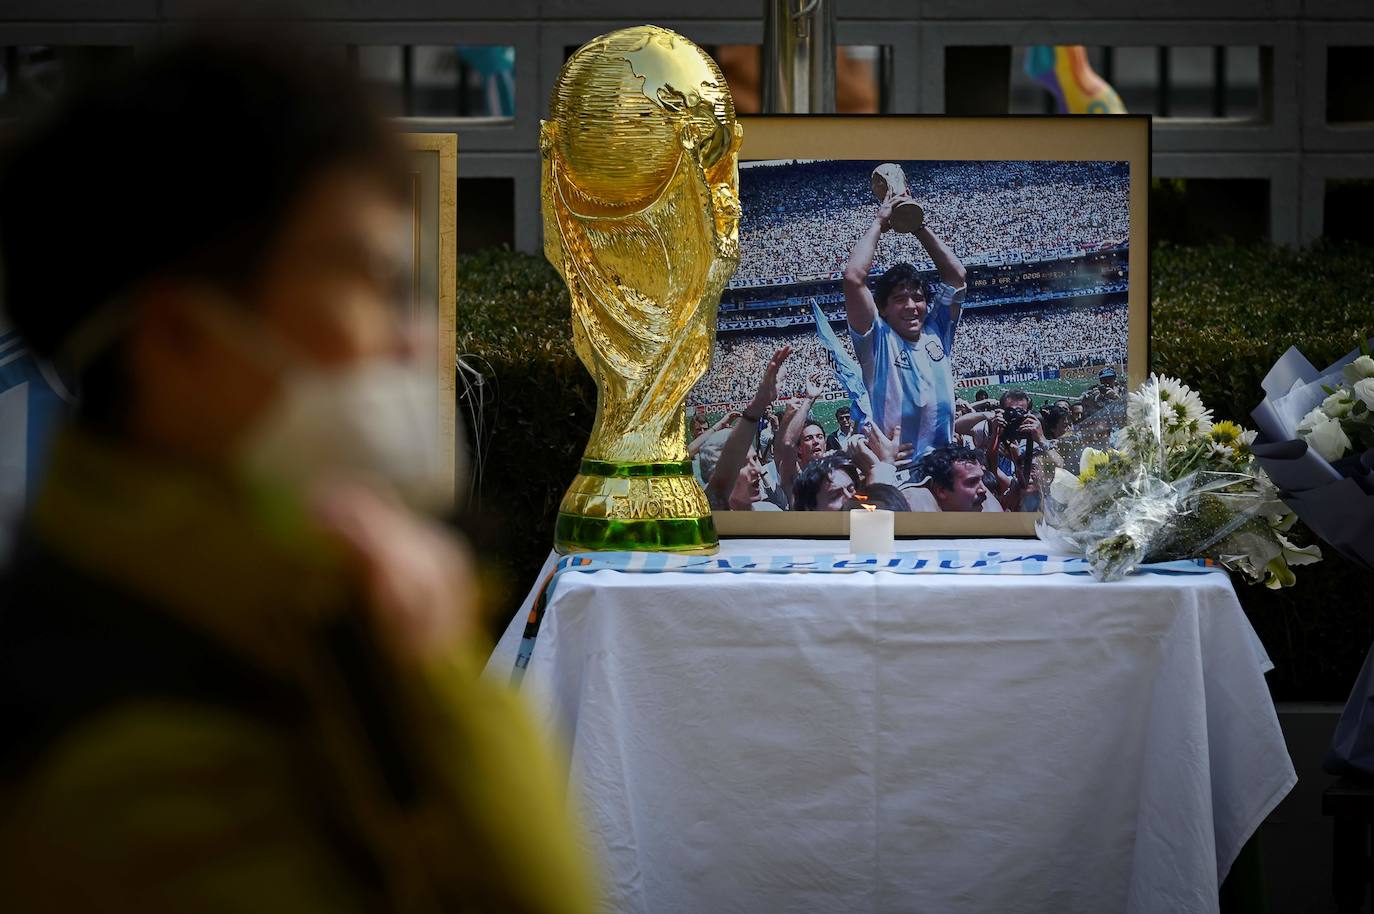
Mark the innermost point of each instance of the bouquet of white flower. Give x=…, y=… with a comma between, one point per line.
x=1317, y=444
x=1175, y=485
x=1344, y=422
x=1314, y=426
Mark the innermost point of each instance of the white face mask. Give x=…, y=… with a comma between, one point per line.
x=375, y=421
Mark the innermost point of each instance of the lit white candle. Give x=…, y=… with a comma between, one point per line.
x=871, y=530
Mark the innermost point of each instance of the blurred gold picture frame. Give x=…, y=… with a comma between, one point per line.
x=431, y=296
x=878, y=139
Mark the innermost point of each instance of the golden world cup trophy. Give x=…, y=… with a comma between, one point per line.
x=907, y=216
x=641, y=217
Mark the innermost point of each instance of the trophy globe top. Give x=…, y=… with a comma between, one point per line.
x=626, y=107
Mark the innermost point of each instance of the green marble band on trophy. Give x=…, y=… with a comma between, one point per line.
x=640, y=201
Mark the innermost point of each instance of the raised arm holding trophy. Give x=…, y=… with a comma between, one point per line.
x=887, y=180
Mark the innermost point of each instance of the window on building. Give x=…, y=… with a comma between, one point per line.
x=1226, y=82
x=486, y=213
x=32, y=76
x=476, y=81
x=1346, y=210
x=1349, y=85
x=1206, y=210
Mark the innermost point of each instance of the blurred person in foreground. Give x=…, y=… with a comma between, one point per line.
x=238, y=675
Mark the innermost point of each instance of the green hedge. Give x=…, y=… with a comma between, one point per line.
x=1221, y=316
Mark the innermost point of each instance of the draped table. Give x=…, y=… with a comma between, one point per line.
x=883, y=742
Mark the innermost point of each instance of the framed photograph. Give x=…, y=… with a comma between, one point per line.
x=432, y=240
x=930, y=314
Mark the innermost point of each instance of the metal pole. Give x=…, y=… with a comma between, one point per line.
x=798, y=57
x=408, y=80
x=1163, y=105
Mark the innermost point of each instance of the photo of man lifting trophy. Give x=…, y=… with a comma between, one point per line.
x=902, y=328
x=889, y=321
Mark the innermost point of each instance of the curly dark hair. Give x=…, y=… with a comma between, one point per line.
x=1051, y=416
x=898, y=274
x=939, y=463
x=1014, y=393
x=806, y=489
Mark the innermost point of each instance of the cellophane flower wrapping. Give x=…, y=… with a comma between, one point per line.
x=1173, y=485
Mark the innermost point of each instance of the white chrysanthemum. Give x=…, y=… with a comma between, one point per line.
x=1142, y=406
x=1183, y=410
x=1180, y=413
x=1220, y=451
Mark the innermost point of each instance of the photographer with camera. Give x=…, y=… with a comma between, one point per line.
x=1009, y=437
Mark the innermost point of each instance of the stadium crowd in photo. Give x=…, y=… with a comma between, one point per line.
x=1045, y=249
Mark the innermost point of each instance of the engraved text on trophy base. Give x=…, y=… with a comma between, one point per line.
x=658, y=498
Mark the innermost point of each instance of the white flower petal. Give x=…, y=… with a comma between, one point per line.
x=1087, y=457
x=1295, y=556
x=1065, y=486
x=1339, y=404
x=1364, y=392
x=1362, y=367
x=1324, y=434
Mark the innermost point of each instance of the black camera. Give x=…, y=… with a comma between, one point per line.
x=1014, y=416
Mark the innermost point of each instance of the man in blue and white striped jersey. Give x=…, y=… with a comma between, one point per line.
x=903, y=335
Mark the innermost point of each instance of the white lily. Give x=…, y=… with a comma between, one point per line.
x=1064, y=486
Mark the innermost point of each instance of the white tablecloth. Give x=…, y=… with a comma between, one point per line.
x=935, y=743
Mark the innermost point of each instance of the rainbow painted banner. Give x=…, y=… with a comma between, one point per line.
x=927, y=561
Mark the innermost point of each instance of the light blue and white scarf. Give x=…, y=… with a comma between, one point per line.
x=926, y=561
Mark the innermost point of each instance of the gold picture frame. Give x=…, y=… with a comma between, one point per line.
x=431, y=300
x=1056, y=139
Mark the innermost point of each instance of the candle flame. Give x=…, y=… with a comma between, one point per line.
x=863, y=500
